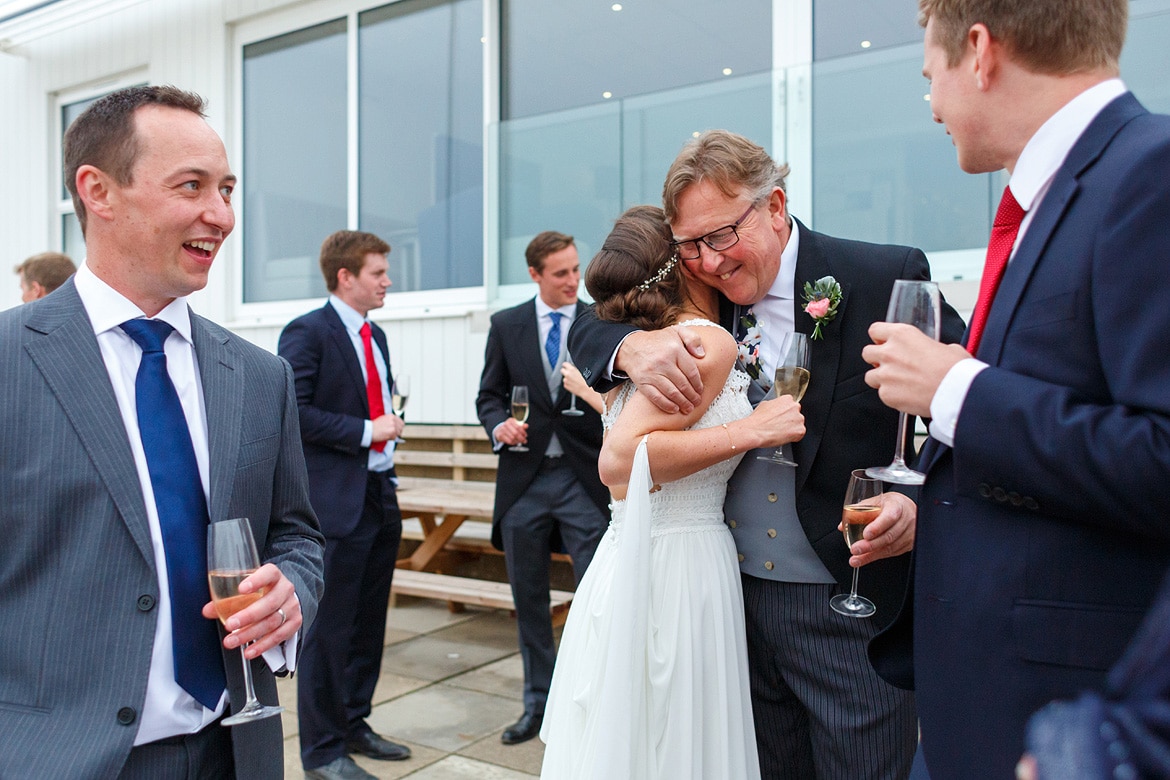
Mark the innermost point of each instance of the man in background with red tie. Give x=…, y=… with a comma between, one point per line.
x=342, y=368
x=1041, y=540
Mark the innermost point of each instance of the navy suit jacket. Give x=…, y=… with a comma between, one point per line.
x=331, y=397
x=1041, y=536
x=512, y=357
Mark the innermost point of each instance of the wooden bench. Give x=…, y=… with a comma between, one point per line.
x=446, y=494
x=459, y=591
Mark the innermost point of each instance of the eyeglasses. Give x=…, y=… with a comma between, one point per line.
x=720, y=239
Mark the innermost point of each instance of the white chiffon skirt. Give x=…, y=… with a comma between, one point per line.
x=651, y=681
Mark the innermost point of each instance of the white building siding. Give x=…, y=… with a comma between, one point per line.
x=76, y=46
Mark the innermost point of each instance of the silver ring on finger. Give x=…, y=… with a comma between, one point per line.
x=283, y=617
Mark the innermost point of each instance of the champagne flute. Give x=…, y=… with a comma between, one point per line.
x=399, y=393
x=863, y=502
x=572, y=411
x=792, y=377
x=519, y=411
x=231, y=557
x=914, y=303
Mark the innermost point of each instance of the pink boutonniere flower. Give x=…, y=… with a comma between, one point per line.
x=821, y=300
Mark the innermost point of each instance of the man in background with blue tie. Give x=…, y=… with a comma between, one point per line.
x=549, y=496
x=343, y=380
x=129, y=422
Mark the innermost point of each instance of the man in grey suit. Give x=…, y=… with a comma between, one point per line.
x=111, y=665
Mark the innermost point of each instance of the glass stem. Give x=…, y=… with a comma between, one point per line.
x=900, y=446
x=853, y=591
x=250, y=692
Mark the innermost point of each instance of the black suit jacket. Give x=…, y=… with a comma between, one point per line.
x=333, y=406
x=847, y=425
x=512, y=357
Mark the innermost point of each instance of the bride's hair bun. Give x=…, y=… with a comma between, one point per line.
x=621, y=278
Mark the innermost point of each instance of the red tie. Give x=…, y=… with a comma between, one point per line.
x=373, y=384
x=1003, y=235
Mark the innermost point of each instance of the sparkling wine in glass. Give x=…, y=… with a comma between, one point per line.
x=519, y=411
x=399, y=393
x=232, y=557
x=913, y=303
x=792, y=376
x=863, y=503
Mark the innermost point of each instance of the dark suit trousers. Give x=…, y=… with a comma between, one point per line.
x=554, y=500
x=204, y=755
x=820, y=709
x=342, y=652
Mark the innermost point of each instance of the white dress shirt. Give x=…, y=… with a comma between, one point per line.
x=168, y=710
x=1035, y=169
x=775, y=313
x=353, y=321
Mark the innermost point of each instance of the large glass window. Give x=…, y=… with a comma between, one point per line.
x=597, y=99
x=294, y=180
x=421, y=139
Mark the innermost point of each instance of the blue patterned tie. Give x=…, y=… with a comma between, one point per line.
x=182, y=514
x=552, y=345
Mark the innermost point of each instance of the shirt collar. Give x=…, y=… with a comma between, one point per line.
x=1047, y=149
x=107, y=308
x=350, y=318
x=567, y=312
x=785, y=280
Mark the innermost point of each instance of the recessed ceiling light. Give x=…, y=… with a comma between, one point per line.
x=607, y=94
x=866, y=44
x=926, y=97
x=695, y=134
x=727, y=71
x=616, y=7
x=483, y=39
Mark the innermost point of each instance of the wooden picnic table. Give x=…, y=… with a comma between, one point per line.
x=441, y=506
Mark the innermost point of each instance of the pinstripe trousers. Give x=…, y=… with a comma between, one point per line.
x=821, y=711
x=205, y=755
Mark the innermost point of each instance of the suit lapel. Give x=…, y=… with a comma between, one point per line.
x=71, y=362
x=223, y=397
x=344, y=346
x=824, y=353
x=1064, y=188
x=528, y=343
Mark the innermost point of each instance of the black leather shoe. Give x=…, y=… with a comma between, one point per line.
x=370, y=744
x=522, y=730
x=344, y=768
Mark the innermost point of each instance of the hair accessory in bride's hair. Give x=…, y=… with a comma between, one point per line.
x=662, y=272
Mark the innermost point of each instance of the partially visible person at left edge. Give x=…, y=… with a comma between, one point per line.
x=128, y=422
x=342, y=366
x=43, y=273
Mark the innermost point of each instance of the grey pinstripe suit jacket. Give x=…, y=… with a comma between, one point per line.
x=78, y=587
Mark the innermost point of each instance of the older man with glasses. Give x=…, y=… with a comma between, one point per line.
x=820, y=709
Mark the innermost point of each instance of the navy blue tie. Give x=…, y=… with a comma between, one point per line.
x=552, y=345
x=182, y=514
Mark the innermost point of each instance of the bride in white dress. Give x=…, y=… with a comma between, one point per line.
x=651, y=680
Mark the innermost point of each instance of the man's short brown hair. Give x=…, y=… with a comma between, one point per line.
x=48, y=269
x=545, y=244
x=730, y=161
x=104, y=135
x=1046, y=36
x=348, y=249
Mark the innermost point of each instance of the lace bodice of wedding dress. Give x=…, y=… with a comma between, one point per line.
x=696, y=499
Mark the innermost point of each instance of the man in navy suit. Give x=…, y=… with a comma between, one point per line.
x=343, y=380
x=1041, y=542
x=548, y=496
